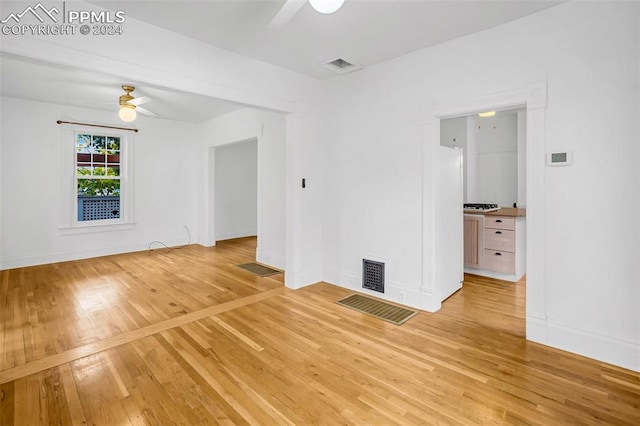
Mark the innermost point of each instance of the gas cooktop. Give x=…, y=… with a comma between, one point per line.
x=481, y=207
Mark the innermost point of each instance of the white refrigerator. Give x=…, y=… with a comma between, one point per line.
x=449, y=256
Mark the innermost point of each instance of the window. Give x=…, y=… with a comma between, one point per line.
x=97, y=177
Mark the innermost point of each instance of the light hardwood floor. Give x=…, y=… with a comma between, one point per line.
x=186, y=337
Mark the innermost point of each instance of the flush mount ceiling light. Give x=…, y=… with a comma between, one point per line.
x=487, y=114
x=326, y=6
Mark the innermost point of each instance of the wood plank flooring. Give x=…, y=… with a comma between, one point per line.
x=185, y=337
x=51, y=309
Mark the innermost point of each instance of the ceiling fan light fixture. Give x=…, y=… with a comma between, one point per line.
x=127, y=113
x=326, y=6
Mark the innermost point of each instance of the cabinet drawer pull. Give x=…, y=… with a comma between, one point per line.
x=498, y=221
x=498, y=232
x=498, y=254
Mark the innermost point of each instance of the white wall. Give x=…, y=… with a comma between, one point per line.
x=268, y=129
x=236, y=190
x=636, y=196
x=1, y=180
x=165, y=153
x=497, y=159
x=498, y=133
x=589, y=292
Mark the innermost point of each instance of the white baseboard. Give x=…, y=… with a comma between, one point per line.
x=536, y=328
x=351, y=281
x=43, y=258
x=298, y=280
x=428, y=301
x=205, y=241
x=497, y=275
x=619, y=352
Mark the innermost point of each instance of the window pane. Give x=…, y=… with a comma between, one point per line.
x=113, y=171
x=113, y=144
x=98, y=187
x=113, y=159
x=98, y=164
x=98, y=199
x=83, y=143
x=83, y=158
x=84, y=169
x=99, y=144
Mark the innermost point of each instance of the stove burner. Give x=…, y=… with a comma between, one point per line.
x=481, y=207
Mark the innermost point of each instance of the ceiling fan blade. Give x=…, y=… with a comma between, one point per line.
x=146, y=112
x=140, y=100
x=287, y=11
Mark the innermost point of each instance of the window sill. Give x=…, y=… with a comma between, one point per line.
x=98, y=227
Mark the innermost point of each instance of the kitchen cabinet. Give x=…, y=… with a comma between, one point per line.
x=495, y=245
x=500, y=244
x=473, y=235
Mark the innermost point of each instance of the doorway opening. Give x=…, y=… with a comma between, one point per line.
x=246, y=182
x=533, y=98
x=493, y=192
x=236, y=190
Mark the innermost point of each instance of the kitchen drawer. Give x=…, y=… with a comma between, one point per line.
x=499, y=261
x=500, y=222
x=500, y=239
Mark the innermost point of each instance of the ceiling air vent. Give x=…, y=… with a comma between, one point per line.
x=341, y=66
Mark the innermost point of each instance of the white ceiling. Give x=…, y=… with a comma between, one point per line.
x=363, y=31
x=366, y=32
x=45, y=82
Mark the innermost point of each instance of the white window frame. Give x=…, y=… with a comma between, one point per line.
x=69, y=215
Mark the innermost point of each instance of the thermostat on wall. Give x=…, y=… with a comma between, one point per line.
x=558, y=158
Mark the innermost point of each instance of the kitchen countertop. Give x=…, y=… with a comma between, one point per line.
x=506, y=212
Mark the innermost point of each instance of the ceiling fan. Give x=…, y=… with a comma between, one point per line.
x=129, y=105
x=291, y=8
